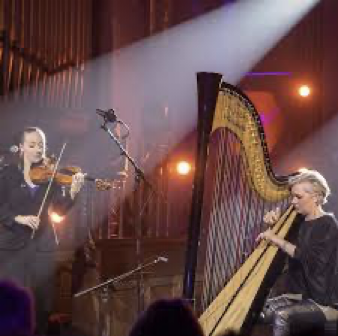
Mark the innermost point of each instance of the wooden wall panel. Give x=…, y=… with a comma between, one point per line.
x=43, y=50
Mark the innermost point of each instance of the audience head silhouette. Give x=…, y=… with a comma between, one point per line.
x=167, y=318
x=16, y=310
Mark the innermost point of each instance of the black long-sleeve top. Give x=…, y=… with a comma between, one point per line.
x=17, y=198
x=312, y=270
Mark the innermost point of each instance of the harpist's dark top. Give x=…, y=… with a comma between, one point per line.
x=312, y=271
x=17, y=198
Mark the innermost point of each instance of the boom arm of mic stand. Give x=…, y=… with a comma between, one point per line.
x=118, y=278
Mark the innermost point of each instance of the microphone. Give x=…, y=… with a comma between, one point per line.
x=109, y=115
x=14, y=149
x=163, y=259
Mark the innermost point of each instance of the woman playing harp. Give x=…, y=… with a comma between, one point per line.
x=313, y=261
x=241, y=187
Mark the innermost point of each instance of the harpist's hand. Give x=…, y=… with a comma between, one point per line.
x=31, y=221
x=272, y=216
x=267, y=235
x=270, y=237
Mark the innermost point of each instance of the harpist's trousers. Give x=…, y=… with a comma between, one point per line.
x=294, y=317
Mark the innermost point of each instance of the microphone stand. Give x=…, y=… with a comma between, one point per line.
x=138, y=171
x=110, y=116
x=104, y=318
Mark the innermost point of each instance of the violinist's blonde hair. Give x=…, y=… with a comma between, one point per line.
x=28, y=130
x=317, y=180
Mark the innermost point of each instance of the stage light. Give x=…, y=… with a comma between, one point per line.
x=304, y=91
x=183, y=168
x=55, y=217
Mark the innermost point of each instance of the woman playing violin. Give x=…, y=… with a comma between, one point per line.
x=27, y=241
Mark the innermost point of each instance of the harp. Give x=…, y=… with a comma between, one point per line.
x=234, y=185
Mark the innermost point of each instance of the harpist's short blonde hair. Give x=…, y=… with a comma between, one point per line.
x=320, y=186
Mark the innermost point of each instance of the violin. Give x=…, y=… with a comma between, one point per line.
x=43, y=173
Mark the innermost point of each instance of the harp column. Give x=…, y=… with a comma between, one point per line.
x=207, y=87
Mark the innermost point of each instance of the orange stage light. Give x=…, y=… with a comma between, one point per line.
x=304, y=91
x=55, y=217
x=183, y=168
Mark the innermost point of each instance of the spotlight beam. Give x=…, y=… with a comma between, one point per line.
x=230, y=40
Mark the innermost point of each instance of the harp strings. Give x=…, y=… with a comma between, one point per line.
x=236, y=210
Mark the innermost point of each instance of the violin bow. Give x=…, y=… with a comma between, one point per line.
x=56, y=166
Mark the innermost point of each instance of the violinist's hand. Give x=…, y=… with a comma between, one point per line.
x=272, y=217
x=77, y=183
x=31, y=221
